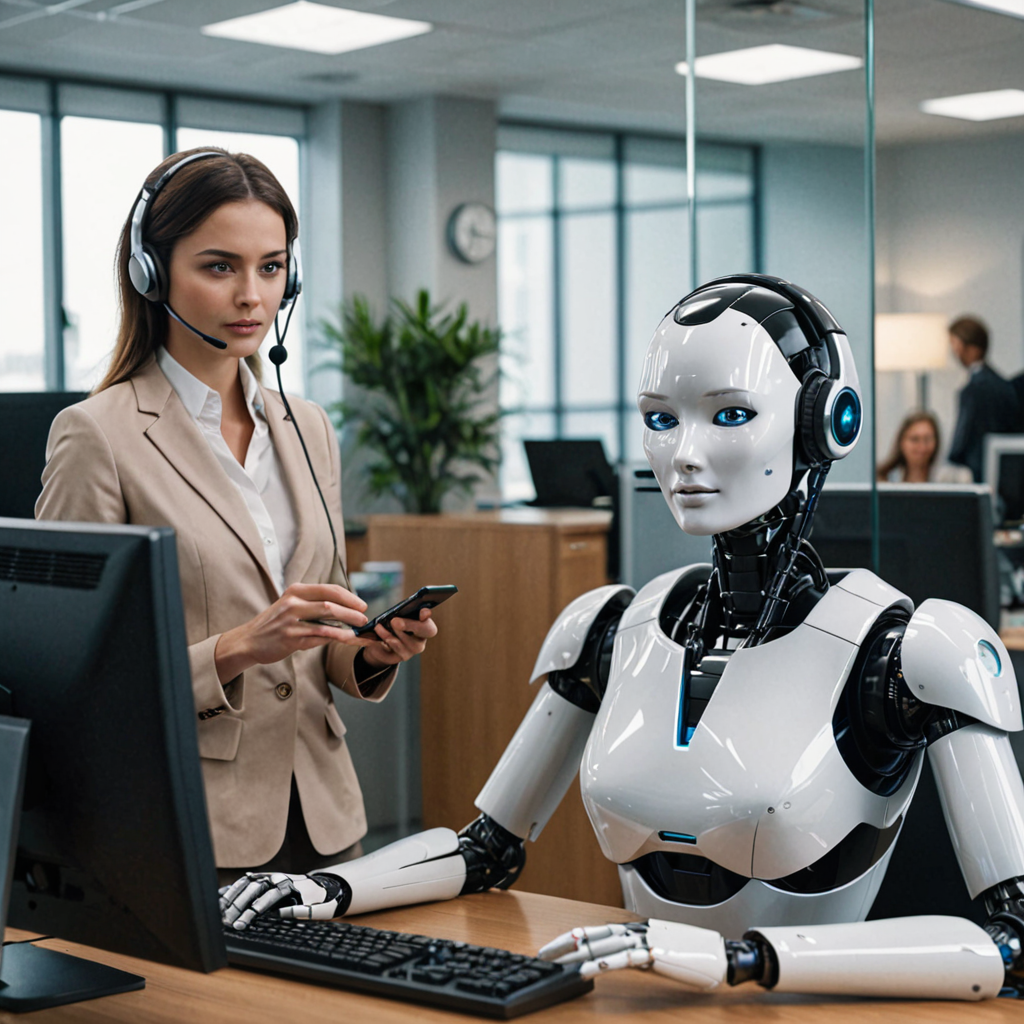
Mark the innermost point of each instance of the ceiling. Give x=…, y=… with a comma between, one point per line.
x=600, y=62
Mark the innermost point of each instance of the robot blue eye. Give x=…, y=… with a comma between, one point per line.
x=733, y=417
x=846, y=417
x=660, y=421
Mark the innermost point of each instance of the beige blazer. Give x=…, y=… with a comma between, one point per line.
x=132, y=454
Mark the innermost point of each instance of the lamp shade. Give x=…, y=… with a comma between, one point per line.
x=911, y=341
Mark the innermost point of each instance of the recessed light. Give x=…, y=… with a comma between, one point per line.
x=978, y=106
x=776, y=62
x=1012, y=7
x=317, y=27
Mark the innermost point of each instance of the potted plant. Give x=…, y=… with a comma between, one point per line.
x=424, y=412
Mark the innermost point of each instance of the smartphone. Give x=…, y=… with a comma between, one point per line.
x=409, y=607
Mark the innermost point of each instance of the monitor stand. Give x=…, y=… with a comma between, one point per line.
x=34, y=978
x=31, y=977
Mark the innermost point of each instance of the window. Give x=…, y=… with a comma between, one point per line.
x=22, y=338
x=75, y=159
x=592, y=252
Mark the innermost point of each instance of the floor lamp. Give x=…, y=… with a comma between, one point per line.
x=916, y=342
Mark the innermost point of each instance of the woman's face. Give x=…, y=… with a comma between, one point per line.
x=718, y=402
x=917, y=445
x=227, y=278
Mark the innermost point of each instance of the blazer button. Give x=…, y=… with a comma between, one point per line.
x=283, y=690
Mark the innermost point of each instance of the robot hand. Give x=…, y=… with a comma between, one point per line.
x=695, y=957
x=317, y=897
x=427, y=866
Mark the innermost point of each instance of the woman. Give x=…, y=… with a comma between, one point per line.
x=914, y=453
x=180, y=433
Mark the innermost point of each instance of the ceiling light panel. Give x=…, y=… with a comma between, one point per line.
x=764, y=65
x=1011, y=7
x=317, y=27
x=978, y=106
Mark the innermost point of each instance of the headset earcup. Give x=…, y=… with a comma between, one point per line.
x=813, y=398
x=158, y=292
x=146, y=273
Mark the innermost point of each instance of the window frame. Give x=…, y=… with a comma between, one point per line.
x=561, y=142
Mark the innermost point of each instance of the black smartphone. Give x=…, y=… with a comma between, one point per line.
x=409, y=607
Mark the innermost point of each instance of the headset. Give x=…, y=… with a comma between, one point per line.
x=150, y=280
x=829, y=409
x=147, y=272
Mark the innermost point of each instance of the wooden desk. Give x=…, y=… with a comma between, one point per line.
x=518, y=921
x=516, y=569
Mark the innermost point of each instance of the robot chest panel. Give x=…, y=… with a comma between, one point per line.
x=759, y=787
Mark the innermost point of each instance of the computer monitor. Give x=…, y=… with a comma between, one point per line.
x=569, y=473
x=935, y=540
x=113, y=846
x=27, y=416
x=1004, y=473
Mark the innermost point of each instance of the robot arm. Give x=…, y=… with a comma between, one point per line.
x=907, y=957
x=522, y=793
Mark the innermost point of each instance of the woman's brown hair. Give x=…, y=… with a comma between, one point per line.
x=184, y=202
x=895, y=459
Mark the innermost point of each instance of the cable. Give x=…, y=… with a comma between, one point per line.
x=278, y=354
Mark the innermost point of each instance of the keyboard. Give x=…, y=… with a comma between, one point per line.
x=454, y=975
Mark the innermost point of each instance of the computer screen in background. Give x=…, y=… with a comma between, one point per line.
x=113, y=845
x=935, y=540
x=26, y=416
x=1004, y=473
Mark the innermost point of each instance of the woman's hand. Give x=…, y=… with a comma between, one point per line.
x=410, y=637
x=285, y=628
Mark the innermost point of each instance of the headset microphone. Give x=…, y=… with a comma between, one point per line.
x=215, y=342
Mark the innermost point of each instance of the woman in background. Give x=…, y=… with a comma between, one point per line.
x=914, y=455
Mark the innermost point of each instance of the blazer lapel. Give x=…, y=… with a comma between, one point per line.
x=181, y=442
x=305, y=501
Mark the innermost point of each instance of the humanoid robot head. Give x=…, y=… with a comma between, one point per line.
x=744, y=387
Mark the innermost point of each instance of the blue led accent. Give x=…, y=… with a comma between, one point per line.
x=846, y=417
x=987, y=654
x=735, y=416
x=660, y=421
x=683, y=732
x=677, y=837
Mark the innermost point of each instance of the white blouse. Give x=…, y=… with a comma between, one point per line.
x=260, y=481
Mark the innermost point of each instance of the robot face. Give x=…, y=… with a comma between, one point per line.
x=718, y=401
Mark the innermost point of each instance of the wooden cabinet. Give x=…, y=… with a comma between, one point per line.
x=515, y=570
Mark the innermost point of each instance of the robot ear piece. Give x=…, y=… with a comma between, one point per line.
x=830, y=418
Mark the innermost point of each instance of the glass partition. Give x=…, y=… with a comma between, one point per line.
x=950, y=129
x=789, y=83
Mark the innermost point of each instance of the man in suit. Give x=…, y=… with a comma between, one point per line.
x=987, y=402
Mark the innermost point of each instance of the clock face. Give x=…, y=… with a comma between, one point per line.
x=472, y=232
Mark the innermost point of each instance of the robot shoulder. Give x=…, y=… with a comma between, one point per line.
x=572, y=634
x=952, y=658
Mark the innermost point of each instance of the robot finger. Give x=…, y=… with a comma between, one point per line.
x=230, y=893
x=592, y=950
x=253, y=888
x=273, y=896
x=318, y=912
x=590, y=943
x=629, y=958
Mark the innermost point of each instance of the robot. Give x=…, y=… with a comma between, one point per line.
x=748, y=734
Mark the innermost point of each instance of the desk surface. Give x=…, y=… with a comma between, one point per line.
x=517, y=921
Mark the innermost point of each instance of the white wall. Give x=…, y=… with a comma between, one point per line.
x=404, y=168
x=814, y=233
x=950, y=238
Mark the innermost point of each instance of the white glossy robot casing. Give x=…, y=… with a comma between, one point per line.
x=714, y=476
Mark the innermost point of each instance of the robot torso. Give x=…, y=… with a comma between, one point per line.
x=753, y=810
